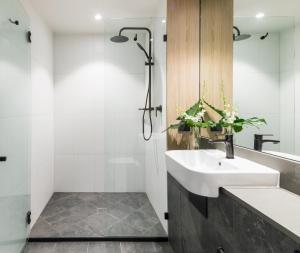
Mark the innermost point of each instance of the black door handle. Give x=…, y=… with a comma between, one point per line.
x=3, y=158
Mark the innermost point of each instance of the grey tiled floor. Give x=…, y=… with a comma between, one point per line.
x=97, y=215
x=98, y=247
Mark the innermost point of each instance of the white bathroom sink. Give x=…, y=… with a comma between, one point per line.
x=203, y=172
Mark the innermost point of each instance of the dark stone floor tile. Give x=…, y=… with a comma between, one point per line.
x=144, y=247
x=119, y=210
x=104, y=247
x=163, y=247
x=114, y=197
x=139, y=220
x=43, y=229
x=156, y=230
x=40, y=248
x=83, y=209
x=96, y=214
x=122, y=229
x=98, y=223
x=148, y=210
x=55, y=218
x=103, y=203
x=71, y=247
x=136, y=200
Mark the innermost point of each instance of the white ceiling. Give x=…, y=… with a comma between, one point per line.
x=77, y=16
x=249, y=8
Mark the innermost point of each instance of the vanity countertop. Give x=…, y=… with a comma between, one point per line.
x=279, y=206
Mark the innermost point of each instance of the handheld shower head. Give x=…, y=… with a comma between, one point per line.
x=144, y=50
x=265, y=36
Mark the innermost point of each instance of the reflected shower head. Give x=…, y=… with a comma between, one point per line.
x=119, y=39
x=143, y=49
x=238, y=36
x=241, y=37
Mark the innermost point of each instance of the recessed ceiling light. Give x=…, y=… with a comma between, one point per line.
x=260, y=15
x=98, y=17
x=164, y=21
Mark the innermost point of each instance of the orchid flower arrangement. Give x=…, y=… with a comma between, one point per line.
x=194, y=117
x=231, y=122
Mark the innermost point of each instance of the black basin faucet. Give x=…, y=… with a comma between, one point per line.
x=228, y=141
x=259, y=141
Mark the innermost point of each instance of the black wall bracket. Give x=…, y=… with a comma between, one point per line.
x=28, y=37
x=3, y=158
x=166, y=216
x=165, y=38
x=28, y=217
x=147, y=63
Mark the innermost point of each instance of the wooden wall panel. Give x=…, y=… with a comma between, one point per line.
x=216, y=52
x=182, y=63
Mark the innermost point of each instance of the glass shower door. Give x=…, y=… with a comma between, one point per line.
x=15, y=107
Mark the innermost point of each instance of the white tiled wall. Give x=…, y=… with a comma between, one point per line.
x=99, y=86
x=42, y=139
x=297, y=90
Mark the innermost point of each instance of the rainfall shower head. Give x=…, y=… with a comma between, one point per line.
x=238, y=36
x=242, y=37
x=119, y=38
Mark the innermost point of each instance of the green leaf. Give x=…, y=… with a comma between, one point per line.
x=237, y=128
x=195, y=109
x=220, y=112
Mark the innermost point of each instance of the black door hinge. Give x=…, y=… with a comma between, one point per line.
x=3, y=158
x=28, y=217
x=166, y=216
x=28, y=36
x=165, y=37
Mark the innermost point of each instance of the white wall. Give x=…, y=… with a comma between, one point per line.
x=99, y=86
x=156, y=173
x=257, y=86
x=42, y=113
x=287, y=91
x=297, y=89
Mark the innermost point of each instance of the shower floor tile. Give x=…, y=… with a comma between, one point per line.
x=98, y=247
x=98, y=215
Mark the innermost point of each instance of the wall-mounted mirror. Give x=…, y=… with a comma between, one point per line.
x=264, y=84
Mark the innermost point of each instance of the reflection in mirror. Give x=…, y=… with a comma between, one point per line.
x=264, y=83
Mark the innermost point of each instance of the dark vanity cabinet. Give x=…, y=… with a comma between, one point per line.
x=223, y=225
